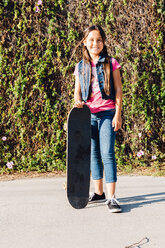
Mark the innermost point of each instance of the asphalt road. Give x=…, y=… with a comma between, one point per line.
x=35, y=213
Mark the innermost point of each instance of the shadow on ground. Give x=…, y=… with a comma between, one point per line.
x=141, y=200
x=132, y=202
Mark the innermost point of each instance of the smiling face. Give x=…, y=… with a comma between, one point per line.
x=94, y=44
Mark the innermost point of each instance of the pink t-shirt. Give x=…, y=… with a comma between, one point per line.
x=95, y=102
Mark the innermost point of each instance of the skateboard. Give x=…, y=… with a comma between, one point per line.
x=78, y=156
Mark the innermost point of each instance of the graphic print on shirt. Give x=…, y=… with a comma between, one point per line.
x=94, y=81
x=95, y=101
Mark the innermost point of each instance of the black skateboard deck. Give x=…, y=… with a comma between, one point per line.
x=78, y=156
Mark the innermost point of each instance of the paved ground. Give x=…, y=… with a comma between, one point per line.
x=35, y=213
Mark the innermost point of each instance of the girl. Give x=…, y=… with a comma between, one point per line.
x=98, y=85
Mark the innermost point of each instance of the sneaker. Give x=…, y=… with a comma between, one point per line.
x=93, y=198
x=113, y=205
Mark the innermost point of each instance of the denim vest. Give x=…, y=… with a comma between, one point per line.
x=85, y=78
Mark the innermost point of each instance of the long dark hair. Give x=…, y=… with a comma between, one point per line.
x=87, y=58
x=106, y=64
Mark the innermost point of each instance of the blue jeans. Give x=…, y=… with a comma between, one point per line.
x=102, y=146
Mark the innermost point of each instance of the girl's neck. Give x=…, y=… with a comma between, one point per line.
x=94, y=59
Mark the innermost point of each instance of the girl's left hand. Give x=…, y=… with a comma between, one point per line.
x=116, y=122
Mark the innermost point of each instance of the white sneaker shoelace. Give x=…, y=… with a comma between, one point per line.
x=91, y=194
x=113, y=201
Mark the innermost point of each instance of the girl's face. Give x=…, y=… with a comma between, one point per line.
x=94, y=43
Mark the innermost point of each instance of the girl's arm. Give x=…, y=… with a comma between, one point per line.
x=77, y=94
x=117, y=121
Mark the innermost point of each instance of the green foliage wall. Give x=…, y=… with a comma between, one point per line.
x=36, y=82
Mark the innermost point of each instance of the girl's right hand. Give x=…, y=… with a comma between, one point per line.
x=79, y=104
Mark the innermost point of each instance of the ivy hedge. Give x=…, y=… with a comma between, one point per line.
x=37, y=39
